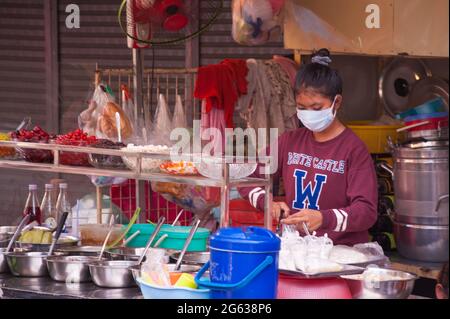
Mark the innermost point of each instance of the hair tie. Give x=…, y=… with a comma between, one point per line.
x=324, y=60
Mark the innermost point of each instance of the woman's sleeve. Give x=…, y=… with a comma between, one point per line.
x=362, y=192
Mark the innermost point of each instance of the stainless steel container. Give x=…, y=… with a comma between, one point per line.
x=381, y=284
x=3, y=263
x=70, y=269
x=27, y=264
x=421, y=185
x=422, y=242
x=112, y=273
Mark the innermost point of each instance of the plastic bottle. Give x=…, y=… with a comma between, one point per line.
x=32, y=205
x=63, y=205
x=48, y=207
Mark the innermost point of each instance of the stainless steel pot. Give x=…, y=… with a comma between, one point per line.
x=421, y=184
x=422, y=242
x=381, y=284
x=70, y=269
x=112, y=273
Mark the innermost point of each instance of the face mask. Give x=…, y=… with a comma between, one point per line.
x=317, y=121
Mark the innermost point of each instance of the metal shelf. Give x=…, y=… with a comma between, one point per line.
x=225, y=183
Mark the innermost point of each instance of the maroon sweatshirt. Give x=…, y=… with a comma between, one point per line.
x=336, y=177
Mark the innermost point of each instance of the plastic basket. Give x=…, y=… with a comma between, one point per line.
x=156, y=292
x=375, y=136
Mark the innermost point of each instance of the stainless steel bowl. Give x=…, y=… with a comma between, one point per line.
x=193, y=258
x=70, y=269
x=6, y=232
x=381, y=284
x=112, y=273
x=190, y=269
x=3, y=263
x=124, y=253
x=27, y=264
x=90, y=251
x=424, y=243
x=129, y=253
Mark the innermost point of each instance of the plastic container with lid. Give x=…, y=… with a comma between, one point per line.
x=175, y=239
x=243, y=264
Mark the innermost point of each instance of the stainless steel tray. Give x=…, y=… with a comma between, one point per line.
x=347, y=270
x=380, y=261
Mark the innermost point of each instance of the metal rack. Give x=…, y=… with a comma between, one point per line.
x=224, y=184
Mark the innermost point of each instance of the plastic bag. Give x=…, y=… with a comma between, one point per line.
x=106, y=180
x=87, y=120
x=196, y=199
x=254, y=20
x=179, y=116
x=154, y=270
x=162, y=125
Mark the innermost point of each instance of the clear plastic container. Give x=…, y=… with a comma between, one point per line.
x=95, y=234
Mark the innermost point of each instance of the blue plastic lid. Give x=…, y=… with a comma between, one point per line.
x=250, y=239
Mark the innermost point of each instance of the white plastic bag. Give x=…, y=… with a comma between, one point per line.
x=254, y=20
x=154, y=270
x=162, y=125
x=179, y=116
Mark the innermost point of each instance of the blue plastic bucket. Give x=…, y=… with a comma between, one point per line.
x=156, y=292
x=433, y=106
x=243, y=264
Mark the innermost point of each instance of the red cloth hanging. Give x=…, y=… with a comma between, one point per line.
x=221, y=85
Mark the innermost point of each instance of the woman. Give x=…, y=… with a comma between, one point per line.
x=328, y=174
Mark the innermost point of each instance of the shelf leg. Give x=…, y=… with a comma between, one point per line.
x=99, y=204
x=225, y=198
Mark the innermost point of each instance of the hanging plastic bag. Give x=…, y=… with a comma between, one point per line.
x=87, y=120
x=162, y=125
x=179, y=116
x=254, y=20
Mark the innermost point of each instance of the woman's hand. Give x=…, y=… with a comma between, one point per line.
x=312, y=218
x=277, y=207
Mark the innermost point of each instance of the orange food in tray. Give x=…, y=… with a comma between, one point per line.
x=179, y=168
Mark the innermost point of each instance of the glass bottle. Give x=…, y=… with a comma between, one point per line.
x=48, y=208
x=63, y=205
x=32, y=205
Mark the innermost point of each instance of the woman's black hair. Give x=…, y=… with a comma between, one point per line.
x=318, y=76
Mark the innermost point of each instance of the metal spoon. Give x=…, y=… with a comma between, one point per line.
x=152, y=238
x=111, y=225
x=19, y=228
x=59, y=229
x=131, y=238
x=186, y=244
